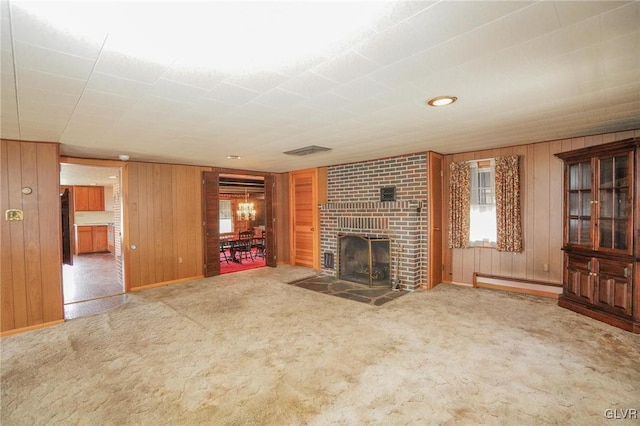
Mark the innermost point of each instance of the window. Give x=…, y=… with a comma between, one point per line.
x=482, y=218
x=226, y=217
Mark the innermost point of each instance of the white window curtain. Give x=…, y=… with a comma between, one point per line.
x=226, y=217
x=482, y=221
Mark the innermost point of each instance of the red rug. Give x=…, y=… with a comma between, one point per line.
x=226, y=268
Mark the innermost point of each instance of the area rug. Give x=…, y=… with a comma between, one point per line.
x=226, y=268
x=348, y=290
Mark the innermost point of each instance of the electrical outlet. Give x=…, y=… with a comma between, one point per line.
x=179, y=260
x=545, y=267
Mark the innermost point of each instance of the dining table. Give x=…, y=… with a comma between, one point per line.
x=234, y=244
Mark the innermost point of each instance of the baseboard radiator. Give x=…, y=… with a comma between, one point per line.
x=517, y=285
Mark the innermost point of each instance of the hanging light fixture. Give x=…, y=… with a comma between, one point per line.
x=246, y=210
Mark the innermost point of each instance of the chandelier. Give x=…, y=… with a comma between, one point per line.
x=246, y=210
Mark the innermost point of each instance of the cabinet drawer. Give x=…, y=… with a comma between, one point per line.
x=613, y=268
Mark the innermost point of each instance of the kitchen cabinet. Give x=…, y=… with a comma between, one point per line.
x=91, y=239
x=601, y=233
x=88, y=198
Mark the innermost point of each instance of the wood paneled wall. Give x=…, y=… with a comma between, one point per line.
x=31, y=287
x=164, y=211
x=542, y=181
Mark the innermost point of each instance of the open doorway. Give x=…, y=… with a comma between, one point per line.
x=92, y=270
x=242, y=223
x=223, y=229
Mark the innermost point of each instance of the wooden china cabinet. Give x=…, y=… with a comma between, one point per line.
x=601, y=235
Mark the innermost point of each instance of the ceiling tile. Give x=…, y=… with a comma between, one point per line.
x=398, y=42
x=6, y=63
x=360, y=89
x=50, y=82
x=129, y=67
x=232, y=95
x=399, y=11
x=29, y=96
x=345, y=68
x=447, y=20
x=405, y=70
x=308, y=84
x=92, y=97
x=570, y=12
x=278, y=98
x=182, y=72
x=531, y=22
x=5, y=34
x=175, y=91
x=38, y=59
x=325, y=102
x=621, y=21
x=117, y=86
x=261, y=81
x=364, y=107
x=85, y=42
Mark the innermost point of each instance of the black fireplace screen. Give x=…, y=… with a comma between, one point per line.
x=364, y=260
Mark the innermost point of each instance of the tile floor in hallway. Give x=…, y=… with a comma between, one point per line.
x=91, y=285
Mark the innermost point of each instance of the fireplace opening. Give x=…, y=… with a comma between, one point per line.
x=364, y=260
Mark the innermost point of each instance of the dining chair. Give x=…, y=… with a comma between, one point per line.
x=260, y=245
x=243, y=245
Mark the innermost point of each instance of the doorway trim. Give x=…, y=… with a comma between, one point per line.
x=210, y=214
x=125, y=213
x=435, y=234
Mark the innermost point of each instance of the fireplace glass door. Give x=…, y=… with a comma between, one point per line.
x=364, y=260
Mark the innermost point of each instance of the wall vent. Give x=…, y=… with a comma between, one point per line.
x=311, y=149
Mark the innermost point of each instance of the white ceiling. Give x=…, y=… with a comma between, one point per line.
x=77, y=174
x=522, y=71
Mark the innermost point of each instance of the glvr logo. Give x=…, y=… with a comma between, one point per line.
x=621, y=413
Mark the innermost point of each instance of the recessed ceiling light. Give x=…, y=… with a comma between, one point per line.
x=441, y=101
x=233, y=157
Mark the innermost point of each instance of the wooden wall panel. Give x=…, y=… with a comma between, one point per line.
x=541, y=198
x=6, y=268
x=165, y=223
x=31, y=287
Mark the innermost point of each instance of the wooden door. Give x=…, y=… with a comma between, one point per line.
x=211, y=224
x=269, y=193
x=614, y=287
x=303, y=200
x=578, y=282
x=67, y=227
x=435, y=219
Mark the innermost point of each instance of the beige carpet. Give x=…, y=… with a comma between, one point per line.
x=246, y=348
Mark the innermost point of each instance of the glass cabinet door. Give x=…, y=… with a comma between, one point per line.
x=579, y=203
x=614, y=203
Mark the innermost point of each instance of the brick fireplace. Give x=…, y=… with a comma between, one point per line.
x=356, y=206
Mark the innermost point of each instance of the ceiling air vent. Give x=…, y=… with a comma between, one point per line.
x=311, y=149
